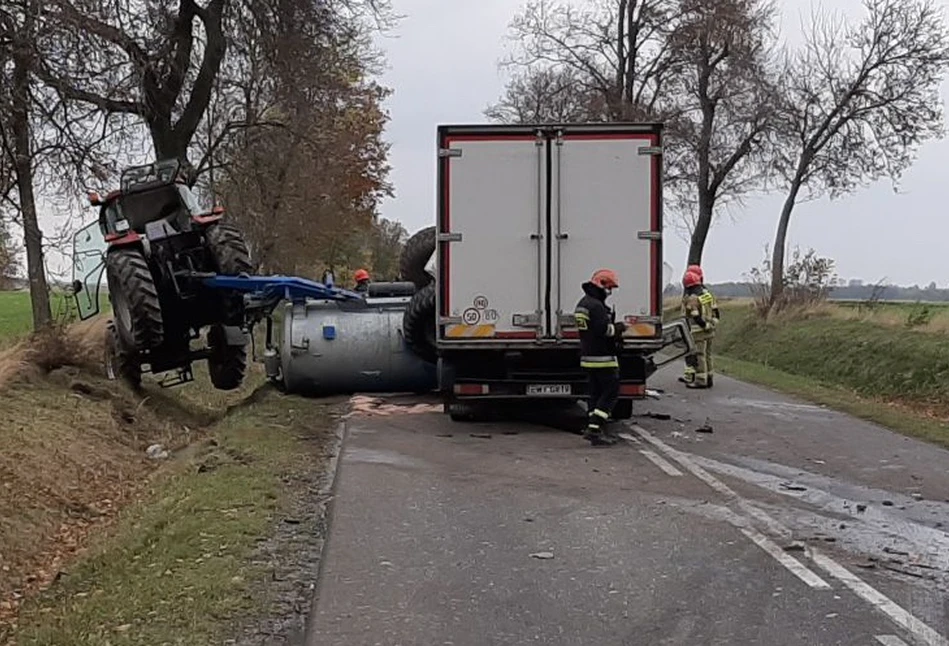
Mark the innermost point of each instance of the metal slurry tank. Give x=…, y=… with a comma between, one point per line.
x=333, y=347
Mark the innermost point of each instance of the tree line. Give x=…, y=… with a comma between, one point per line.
x=271, y=105
x=743, y=111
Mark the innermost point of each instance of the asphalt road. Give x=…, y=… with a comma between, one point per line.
x=788, y=524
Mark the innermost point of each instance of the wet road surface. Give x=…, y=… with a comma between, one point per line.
x=789, y=524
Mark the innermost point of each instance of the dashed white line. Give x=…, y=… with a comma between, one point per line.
x=890, y=640
x=660, y=462
x=782, y=557
x=923, y=634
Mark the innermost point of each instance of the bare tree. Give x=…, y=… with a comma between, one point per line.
x=617, y=50
x=727, y=96
x=858, y=102
x=547, y=95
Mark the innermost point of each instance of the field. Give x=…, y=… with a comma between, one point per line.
x=16, y=317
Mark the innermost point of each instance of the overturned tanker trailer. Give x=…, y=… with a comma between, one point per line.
x=333, y=347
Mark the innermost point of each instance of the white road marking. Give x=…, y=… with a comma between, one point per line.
x=890, y=640
x=924, y=634
x=660, y=462
x=782, y=557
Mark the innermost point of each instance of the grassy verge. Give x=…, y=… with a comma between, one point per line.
x=896, y=377
x=176, y=566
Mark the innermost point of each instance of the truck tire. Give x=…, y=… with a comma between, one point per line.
x=418, y=324
x=415, y=255
x=120, y=364
x=227, y=364
x=134, y=298
x=231, y=258
x=623, y=409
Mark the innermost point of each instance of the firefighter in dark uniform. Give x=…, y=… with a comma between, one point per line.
x=598, y=343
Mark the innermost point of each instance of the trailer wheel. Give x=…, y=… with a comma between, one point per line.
x=623, y=409
x=418, y=324
x=226, y=363
x=231, y=258
x=415, y=255
x=120, y=364
x=134, y=298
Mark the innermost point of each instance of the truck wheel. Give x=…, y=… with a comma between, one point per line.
x=415, y=255
x=226, y=363
x=120, y=364
x=231, y=258
x=134, y=298
x=623, y=409
x=418, y=324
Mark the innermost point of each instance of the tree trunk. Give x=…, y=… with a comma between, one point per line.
x=33, y=237
x=702, y=225
x=780, y=241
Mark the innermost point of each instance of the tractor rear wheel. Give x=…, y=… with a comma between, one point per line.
x=226, y=363
x=415, y=255
x=418, y=324
x=120, y=364
x=231, y=258
x=134, y=298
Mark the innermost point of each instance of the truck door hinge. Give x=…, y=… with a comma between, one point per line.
x=649, y=235
x=449, y=152
x=650, y=150
x=449, y=237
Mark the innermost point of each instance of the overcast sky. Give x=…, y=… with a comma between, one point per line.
x=443, y=69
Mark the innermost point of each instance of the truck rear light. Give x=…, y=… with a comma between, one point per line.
x=632, y=390
x=471, y=389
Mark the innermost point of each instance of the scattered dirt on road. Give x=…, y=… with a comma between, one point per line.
x=364, y=406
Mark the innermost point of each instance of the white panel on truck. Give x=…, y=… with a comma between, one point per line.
x=492, y=255
x=606, y=214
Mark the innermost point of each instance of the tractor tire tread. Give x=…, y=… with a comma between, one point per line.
x=415, y=255
x=229, y=249
x=227, y=364
x=132, y=275
x=418, y=324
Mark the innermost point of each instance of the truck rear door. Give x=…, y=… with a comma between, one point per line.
x=492, y=234
x=606, y=212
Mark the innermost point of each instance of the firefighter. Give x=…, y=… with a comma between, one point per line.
x=598, y=343
x=362, y=280
x=702, y=312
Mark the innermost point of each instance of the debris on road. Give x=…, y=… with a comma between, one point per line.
x=916, y=495
x=794, y=547
x=705, y=428
x=792, y=487
x=377, y=406
x=655, y=394
x=890, y=550
x=482, y=436
x=659, y=416
x=861, y=508
x=544, y=556
x=887, y=503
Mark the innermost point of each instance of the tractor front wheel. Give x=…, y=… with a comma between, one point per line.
x=134, y=297
x=226, y=363
x=120, y=364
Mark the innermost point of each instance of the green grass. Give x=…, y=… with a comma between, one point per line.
x=177, y=568
x=896, y=376
x=16, y=313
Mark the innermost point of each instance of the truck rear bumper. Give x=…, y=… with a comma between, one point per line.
x=532, y=374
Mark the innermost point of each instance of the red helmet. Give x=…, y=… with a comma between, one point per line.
x=691, y=279
x=605, y=278
x=697, y=269
x=361, y=275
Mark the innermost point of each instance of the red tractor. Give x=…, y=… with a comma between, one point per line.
x=159, y=245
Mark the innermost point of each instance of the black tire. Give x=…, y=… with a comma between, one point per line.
x=227, y=364
x=623, y=409
x=415, y=255
x=120, y=363
x=231, y=258
x=229, y=249
x=418, y=324
x=134, y=297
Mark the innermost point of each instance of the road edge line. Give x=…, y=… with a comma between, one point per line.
x=664, y=465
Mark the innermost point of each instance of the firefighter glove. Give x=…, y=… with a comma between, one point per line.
x=618, y=328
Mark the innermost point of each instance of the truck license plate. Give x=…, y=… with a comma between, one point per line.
x=548, y=389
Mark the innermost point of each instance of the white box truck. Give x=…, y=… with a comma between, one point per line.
x=525, y=215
